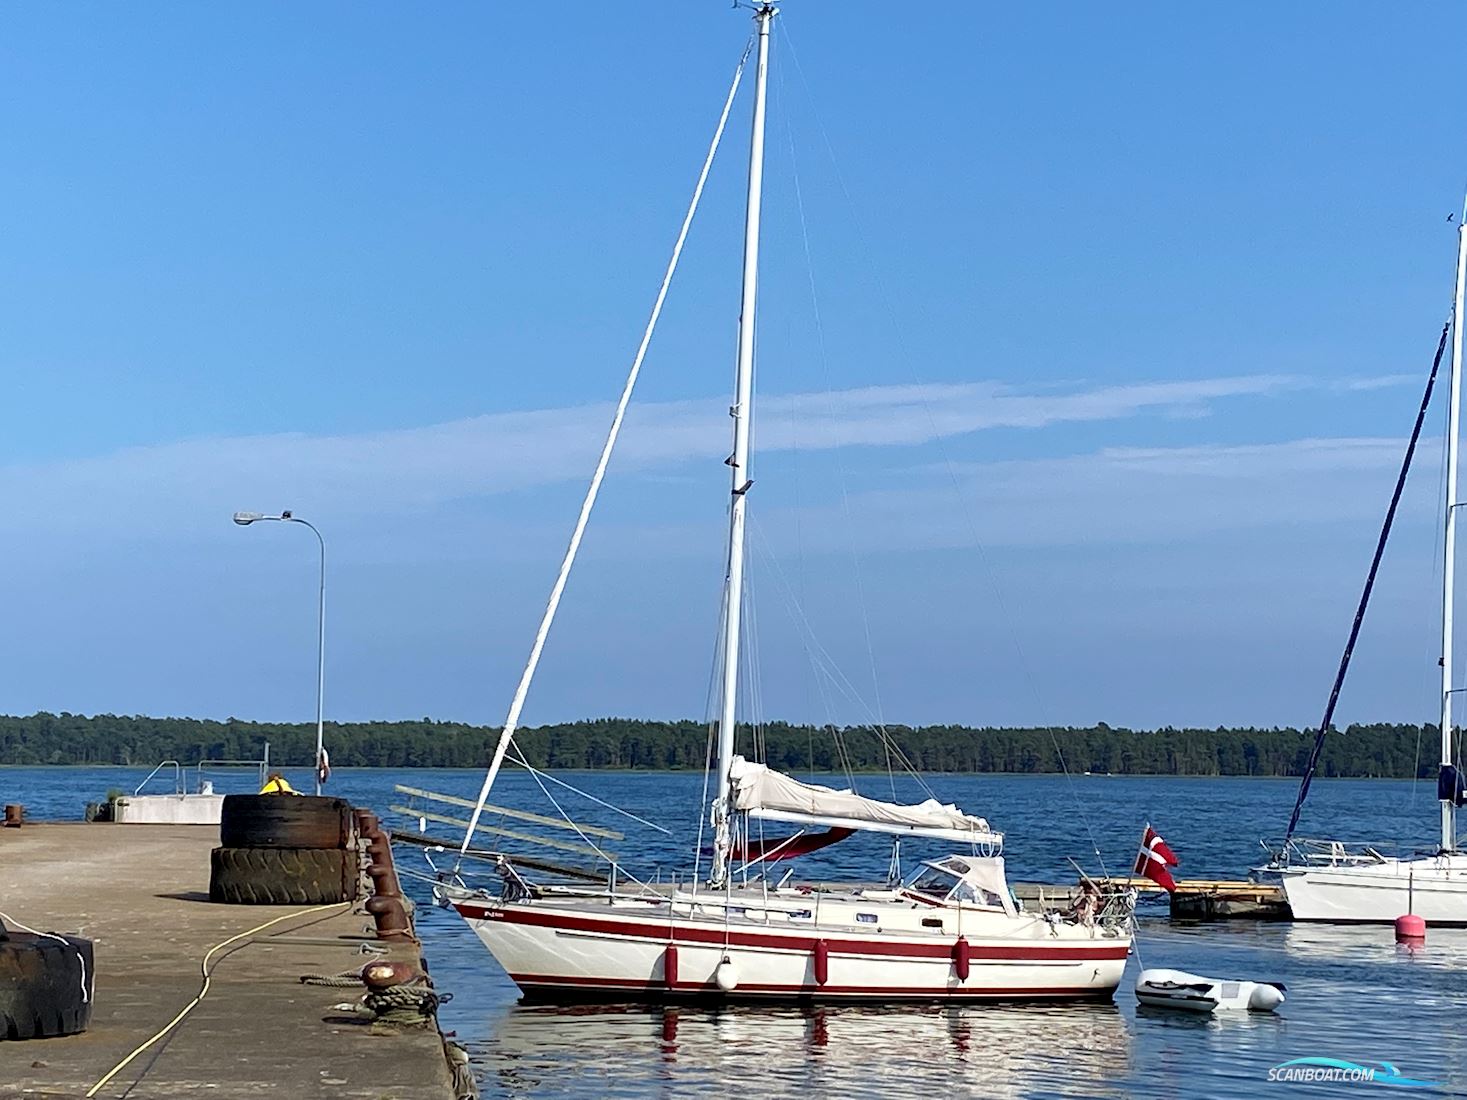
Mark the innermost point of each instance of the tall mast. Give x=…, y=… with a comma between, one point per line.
x=1449, y=550
x=742, y=412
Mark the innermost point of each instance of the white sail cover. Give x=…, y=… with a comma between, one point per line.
x=765, y=793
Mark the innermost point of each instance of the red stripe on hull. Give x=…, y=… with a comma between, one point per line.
x=664, y=933
x=548, y=985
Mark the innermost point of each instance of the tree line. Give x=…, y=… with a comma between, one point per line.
x=1380, y=750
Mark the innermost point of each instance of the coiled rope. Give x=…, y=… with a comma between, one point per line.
x=334, y=981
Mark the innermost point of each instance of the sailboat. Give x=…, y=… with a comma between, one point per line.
x=951, y=932
x=1339, y=882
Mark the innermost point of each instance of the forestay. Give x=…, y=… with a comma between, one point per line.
x=770, y=795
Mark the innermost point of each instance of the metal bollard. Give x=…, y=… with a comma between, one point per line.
x=384, y=881
x=390, y=917
x=367, y=824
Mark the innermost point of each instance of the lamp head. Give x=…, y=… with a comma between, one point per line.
x=244, y=519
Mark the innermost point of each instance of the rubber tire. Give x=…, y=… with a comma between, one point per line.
x=41, y=986
x=283, y=876
x=284, y=821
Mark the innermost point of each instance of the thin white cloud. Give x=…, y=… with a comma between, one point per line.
x=1160, y=495
x=420, y=468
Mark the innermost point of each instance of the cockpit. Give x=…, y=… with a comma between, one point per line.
x=976, y=881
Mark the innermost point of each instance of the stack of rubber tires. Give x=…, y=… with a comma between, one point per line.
x=285, y=849
x=46, y=985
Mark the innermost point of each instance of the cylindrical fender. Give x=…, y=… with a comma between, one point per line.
x=669, y=966
x=822, y=962
x=961, y=959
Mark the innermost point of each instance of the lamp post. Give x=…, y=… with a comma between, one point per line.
x=244, y=519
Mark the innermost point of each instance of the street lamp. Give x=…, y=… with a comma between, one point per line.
x=244, y=519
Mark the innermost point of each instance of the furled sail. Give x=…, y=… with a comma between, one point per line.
x=771, y=795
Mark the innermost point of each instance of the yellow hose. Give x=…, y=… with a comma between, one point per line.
x=204, y=989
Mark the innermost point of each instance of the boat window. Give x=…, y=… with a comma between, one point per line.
x=977, y=896
x=933, y=882
x=866, y=918
x=932, y=922
x=799, y=914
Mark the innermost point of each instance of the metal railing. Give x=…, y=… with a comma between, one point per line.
x=180, y=773
x=177, y=777
x=1316, y=852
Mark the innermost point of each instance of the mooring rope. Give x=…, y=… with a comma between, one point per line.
x=204, y=989
x=346, y=980
x=86, y=986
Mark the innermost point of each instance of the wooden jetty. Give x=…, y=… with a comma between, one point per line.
x=140, y=893
x=1194, y=899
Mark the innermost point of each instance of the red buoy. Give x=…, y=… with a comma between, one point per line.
x=960, y=959
x=1410, y=929
x=822, y=962
x=669, y=965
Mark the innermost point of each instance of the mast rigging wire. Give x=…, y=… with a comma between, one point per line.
x=937, y=437
x=517, y=704
x=1380, y=546
x=844, y=479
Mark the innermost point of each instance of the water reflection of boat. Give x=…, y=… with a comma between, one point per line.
x=832, y=1050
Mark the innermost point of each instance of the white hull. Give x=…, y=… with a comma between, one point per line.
x=1434, y=888
x=594, y=950
x=169, y=809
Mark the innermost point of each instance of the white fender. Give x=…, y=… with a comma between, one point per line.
x=726, y=977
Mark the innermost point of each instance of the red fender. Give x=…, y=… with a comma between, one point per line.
x=669, y=965
x=960, y=959
x=822, y=962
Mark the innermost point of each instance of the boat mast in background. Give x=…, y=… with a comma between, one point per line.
x=1447, y=790
x=742, y=413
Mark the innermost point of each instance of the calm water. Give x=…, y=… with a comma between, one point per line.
x=1352, y=993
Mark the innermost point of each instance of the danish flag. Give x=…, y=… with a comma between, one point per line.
x=1154, y=858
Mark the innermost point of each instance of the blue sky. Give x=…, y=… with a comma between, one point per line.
x=1122, y=319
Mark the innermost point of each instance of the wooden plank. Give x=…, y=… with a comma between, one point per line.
x=425, y=841
x=528, y=838
x=523, y=815
x=1222, y=887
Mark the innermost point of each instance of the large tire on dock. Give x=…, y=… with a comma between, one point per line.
x=284, y=821
x=283, y=876
x=45, y=985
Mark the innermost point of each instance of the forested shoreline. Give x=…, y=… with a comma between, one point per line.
x=1367, y=751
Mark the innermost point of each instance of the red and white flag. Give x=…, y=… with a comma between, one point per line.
x=1154, y=858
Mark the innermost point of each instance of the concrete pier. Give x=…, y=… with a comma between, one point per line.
x=140, y=893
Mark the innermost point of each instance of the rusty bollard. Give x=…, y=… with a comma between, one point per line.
x=391, y=918
x=384, y=880
x=14, y=815
x=367, y=824
x=386, y=905
x=399, y=994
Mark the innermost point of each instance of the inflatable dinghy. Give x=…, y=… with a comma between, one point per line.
x=1191, y=993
